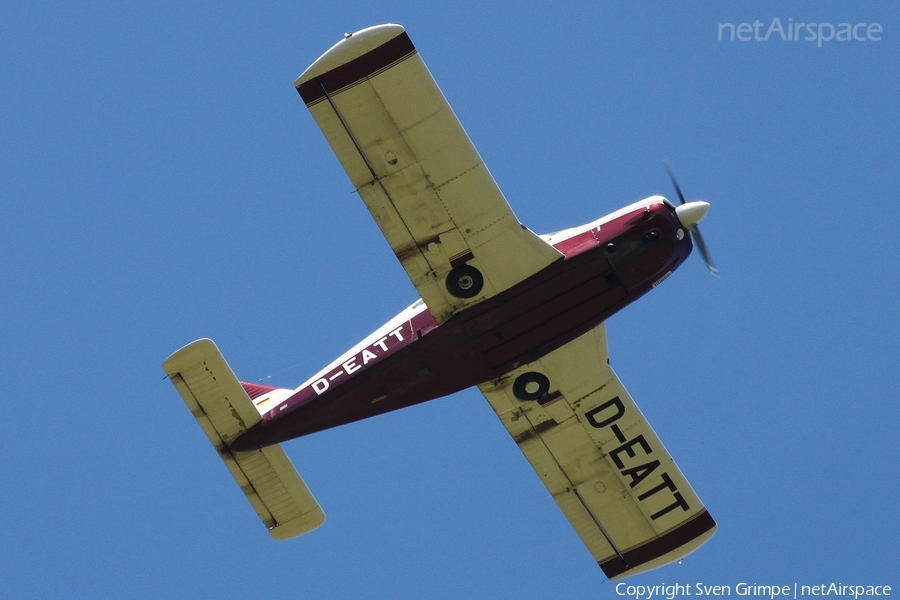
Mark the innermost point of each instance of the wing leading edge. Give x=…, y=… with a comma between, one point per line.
x=416, y=169
x=605, y=467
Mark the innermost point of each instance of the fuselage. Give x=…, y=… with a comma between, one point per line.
x=606, y=265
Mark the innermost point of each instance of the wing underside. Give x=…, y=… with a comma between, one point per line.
x=599, y=458
x=416, y=169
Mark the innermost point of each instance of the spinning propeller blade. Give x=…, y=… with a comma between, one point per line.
x=690, y=213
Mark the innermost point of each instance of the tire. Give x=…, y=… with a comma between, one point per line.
x=531, y=386
x=465, y=281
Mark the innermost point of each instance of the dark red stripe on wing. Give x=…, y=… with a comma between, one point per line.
x=679, y=536
x=358, y=69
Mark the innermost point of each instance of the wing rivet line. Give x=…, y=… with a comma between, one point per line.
x=347, y=129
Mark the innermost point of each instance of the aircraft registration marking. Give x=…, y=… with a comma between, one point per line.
x=379, y=348
x=637, y=473
x=402, y=330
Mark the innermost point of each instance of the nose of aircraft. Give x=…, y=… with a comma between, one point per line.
x=691, y=213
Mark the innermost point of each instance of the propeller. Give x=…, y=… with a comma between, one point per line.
x=690, y=214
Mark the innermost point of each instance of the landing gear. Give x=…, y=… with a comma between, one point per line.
x=465, y=281
x=531, y=386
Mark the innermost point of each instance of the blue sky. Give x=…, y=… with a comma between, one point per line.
x=162, y=181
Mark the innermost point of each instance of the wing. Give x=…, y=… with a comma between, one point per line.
x=419, y=175
x=598, y=456
x=224, y=411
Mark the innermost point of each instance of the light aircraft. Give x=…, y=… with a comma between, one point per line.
x=517, y=314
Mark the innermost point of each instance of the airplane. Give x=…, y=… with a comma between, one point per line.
x=519, y=315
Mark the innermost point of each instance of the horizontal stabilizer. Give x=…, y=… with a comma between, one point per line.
x=224, y=411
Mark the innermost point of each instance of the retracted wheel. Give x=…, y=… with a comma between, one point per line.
x=465, y=281
x=531, y=386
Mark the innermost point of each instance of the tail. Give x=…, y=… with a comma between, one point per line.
x=224, y=411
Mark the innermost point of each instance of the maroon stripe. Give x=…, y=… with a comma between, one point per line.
x=255, y=390
x=357, y=69
x=680, y=536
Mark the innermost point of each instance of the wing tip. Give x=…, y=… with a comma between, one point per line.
x=190, y=355
x=299, y=526
x=350, y=47
x=669, y=547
